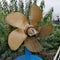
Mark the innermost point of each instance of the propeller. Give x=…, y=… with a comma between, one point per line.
x=26, y=32
x=45, y=30
x=16, y=38
x=17, y=19
x=33, y=45
x=35, y=15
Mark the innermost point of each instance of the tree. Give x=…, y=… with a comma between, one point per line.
x=21, y=6
x=0, y=7
x=1, y=10
x=13, y=6
x=50, y=42
x=5, y=10
x=27, y=8
x=42, y=5
x=48, y=16
x=35, y=1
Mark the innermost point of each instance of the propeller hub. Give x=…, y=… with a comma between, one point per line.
x=31, y=31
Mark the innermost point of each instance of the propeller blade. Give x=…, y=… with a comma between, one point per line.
x=35, y=15
x=32, y=44
x=45, y=31
x=16, y=38
x=17, y=19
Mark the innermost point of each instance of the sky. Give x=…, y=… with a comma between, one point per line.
x=50, y=3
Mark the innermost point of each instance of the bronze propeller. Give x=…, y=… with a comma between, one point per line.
x=26, y=32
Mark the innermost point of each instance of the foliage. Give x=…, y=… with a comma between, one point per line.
x=53, y=41
x=42, y=5
x=27, y=8
x=35, y=1
x=47, y=18
x=13, y=5
x=4, y=7
x=21, y=6
x=49, y=43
